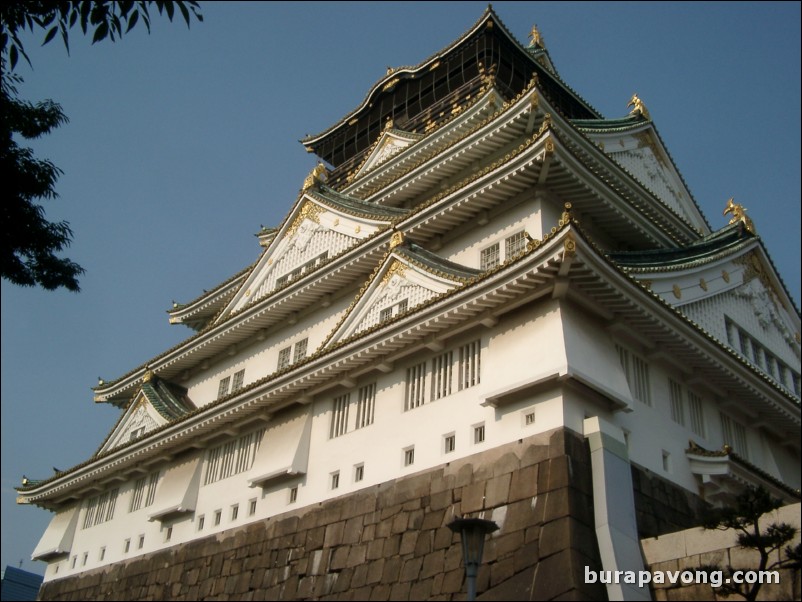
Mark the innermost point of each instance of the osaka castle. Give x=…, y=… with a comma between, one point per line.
x=487, y=301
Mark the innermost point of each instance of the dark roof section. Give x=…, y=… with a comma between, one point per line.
x=434, y=263
x=354, y=206
x=408, y=95
x=727, y=238
x=168, y=399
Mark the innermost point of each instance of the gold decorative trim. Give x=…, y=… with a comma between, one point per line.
x=638, y=108
x=549, y=146
x=726, y=275
x=395, y=268
x=316, y=176
x=308, y=211
x=703, y=284
x=391, y=84
x=535, y=38
x=738, y=212
x=534, y=99
x=569, y=246
x=148, y=376
x=647, y=284
x=677, y=291
x=396, y=239
x=546, y=124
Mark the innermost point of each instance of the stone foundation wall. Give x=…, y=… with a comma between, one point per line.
x=661, y=506
x=391, y=541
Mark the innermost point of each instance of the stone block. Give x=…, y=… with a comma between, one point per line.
x=400, y=522
x=424, y=543
x=526, y=556
x=473, y=497
x=389, y=511
x=453, y=557
x=375, y=549
x=507, y=544
x=464, y=476
x=432, y=520
x=408, y=542
x=360, y=575
x=391, y=545
x=400, y=591
x=373, y=572
x=553, y=576
x=534, y=454
x=500, y=571
x=334, y=534
x=506, y=464
x=339, y=558
x=415, y=519
x=315, y=538
x=443, y=538
x=352, y=531
x=498, y=489
x=440, y=500
x=523, y=483
x=392, y=569
x=421, y=590
x=452, y=581
x=441, y=483
x=522, y=514
x=357, y=555
x=411, y=569
x=432, y=564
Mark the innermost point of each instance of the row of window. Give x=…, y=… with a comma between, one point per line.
x=100, y=509
x=143, y=485
x=217, y=516
x=233, y=457
x=286, y=356
x=752, y=350
x=441, y=375
x=301, y=270
x=365, y=411
x=230, y=385
x=491, y=257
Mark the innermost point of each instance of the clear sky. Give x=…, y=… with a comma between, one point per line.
x=182, y=143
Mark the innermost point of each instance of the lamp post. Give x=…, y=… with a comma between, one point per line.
x=473, y=532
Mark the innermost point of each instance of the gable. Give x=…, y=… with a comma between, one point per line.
x=642, y=154
x=156, y=403
x=390, y=143
x=405, y=280
x=321, y=226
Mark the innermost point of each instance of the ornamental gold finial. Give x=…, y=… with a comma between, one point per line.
x=315, y=177
x=566, y=216
x=738, y=212
x=638, y=108
x=396, y=240
x=388, y=124
x=148, y=376
x=535, y=39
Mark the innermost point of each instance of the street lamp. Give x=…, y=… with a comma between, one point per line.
x=473, y=531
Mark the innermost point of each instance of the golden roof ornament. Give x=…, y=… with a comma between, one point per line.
x=535, y=39
x=388, y=124
x=638, y=108
x=148, y=376
x=315, y=177
x=396, y=240
x=738, y=212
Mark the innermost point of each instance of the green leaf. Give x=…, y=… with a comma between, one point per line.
x=101, y=32
x=13, y=56
x=86, y=7
x=132, y=20
x=50, y=34
x=170, y=10
x=184, y=12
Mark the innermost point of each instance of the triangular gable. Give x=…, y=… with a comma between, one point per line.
x=637, y=148
x=320, y=226
x=407, y=278
x=390, y=143
x=156, y=403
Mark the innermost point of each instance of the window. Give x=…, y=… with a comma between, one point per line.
x=233, y=457
x=636, y=371
x=218, y=516
x=136, y=433
x=366, y=406
x=294, y=495
x=339, y=417
x=515, y=244
x=168, y=534
x=449, y=443
x=409, y=456
x=415, y=391
x=529, y=417
x=100, y=509
x=359, y=472
x=335, y=480
x=489, y=257
x=138, y=494
x=127, y=546
x=252, y=507
x=696, y=414
x=469, y=364
x=85, y=558
x=300, y=350
x=234, y=512
x=302, y=269
x=734, y=435
x=141, y=543
x=666, y=461
x=677, y=405
x=479, y=433
x=284, y=357
x=393, y=310
x=102, y=553
x=239, y=380
x=74, y=560
x=441, y=375
x=201, y=522
x=222, y=389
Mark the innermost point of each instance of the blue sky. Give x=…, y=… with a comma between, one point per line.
x=182, y=143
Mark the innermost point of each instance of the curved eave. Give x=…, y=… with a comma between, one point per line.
x=636, y=125
x=489, y=16
x=595, y=283
x=198, y=312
